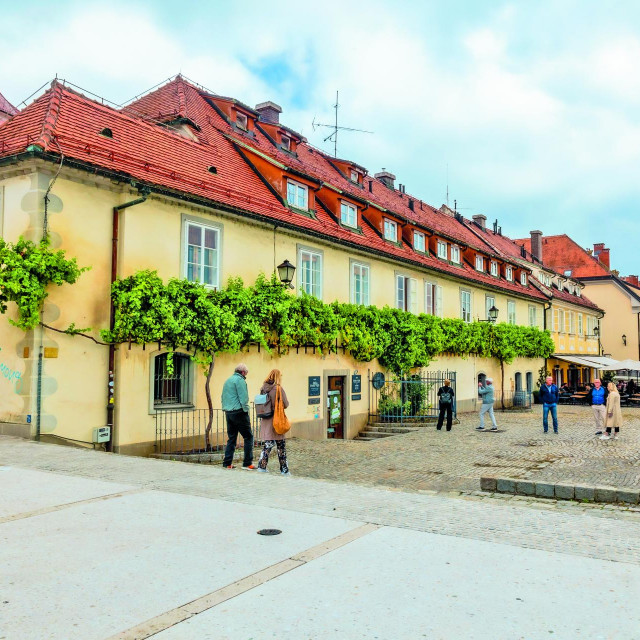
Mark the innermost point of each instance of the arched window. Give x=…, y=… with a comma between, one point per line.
x=518, y=381
x=106, y=133
x=481, y=378
x=529, y=381
x=171, y=388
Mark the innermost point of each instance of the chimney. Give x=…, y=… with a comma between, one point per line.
x=602, y=253
x=480, y=220
x=269, y=111
x=536, y=245
x=386, y=177
x=632, y=280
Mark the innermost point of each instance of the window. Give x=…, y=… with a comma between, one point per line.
x=171, y=387
x=568, y=322
x=580, y=324
x=533, y=316
x=433, y=299
x=465, y=305
x=390, y=230
x=354, y=176
x=406, y=293
x=241, y=121
x=202, y=255
x=297, y=195
x=509, y=274
x=591, y=326
x=489, y=301
x=442, y=250
x=418, y=241
x=523, y=278
x=359, y=283
x=529, y=381
x=348, y=215
x=479, y=263
x=559, y=285
x=518, y=381
x=286, y=143
x=455, y=254
x=494, y=269
x=310, y=272
x=568, y=273
x=511, y=311
x=560, y=321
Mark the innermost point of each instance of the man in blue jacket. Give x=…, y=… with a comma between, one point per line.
x=549, y=397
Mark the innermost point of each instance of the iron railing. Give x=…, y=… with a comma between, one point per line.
x=182, y=431
x=513, y=400
x=409, y=398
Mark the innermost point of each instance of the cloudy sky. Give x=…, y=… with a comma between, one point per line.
x=529, y=110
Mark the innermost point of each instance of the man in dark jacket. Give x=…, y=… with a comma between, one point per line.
x=445, y=400
x=597, y=398
x=549, y=396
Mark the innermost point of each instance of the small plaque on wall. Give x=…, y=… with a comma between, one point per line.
x=357, y=396
x=314, y=400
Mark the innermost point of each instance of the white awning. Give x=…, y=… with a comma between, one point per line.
x=595, y=362
x=627, y=365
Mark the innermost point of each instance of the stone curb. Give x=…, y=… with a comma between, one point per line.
x=560, y=491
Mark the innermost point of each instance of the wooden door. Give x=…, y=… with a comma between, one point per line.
x=335, y=407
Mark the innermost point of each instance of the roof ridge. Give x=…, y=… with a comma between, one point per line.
x=51, y=116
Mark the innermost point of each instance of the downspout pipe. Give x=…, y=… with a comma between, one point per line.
x=144, y=193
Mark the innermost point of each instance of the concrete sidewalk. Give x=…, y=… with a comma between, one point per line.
x=97, y=546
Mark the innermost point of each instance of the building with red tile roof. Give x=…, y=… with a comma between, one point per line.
x=7, y=110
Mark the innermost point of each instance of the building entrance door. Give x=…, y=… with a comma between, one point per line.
x=335, y=407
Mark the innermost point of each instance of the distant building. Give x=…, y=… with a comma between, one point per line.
x=7, y=110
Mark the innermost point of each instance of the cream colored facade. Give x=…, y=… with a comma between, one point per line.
x=73, y=371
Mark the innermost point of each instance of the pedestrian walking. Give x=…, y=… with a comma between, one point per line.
x=268, y=435
x=614, y=414
x=486, y=391
x=549, y=396
x=597, y=398
x=445, y=403
x=235, y=404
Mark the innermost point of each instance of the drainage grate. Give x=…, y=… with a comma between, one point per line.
x=269, y=532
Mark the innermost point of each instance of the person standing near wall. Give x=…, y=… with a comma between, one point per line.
x=445, y=401
x=597, y=398
x=614, y=414
x=235, y=404
x=268, y=435
x=486, y=392
x=549, y=396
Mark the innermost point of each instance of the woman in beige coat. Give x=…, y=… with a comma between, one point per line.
x=614, y=414
x=268, y=436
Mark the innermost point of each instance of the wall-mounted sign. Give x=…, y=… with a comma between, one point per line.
x=357, y=396
x=314, y=386
x=356, y=383
x=314, y=400
x=378, y=380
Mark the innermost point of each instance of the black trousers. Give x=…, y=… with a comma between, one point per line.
x=445, y=409
x=238, y=422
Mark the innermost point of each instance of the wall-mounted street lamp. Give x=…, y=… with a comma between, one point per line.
x=596, y=331
x=624, y=339
x=286, y=272
x=493, y=315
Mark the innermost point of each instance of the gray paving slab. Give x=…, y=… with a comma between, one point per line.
x=23, y=490
x=402, y=584
x=95, y=569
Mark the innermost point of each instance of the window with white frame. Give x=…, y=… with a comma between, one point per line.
x=310, y=272
x=580, y=324
x=479, y=263
x=591, y=326
x=172, y=385
x=406, y=293
x=359, y=283
x=489, y=303
x=390, y=230
x=494, y=269
x=523, y=278
x=568, y=318
x=419, y=241
x=442, y=250
x=297, y=195
x=202, y=255
x=348, y=215
x=241, y=120
x=455, y=254
x=433, y=299
x=559, y=285
x=465, y=305
x=560, y=321
x=509, y=273
x=285, y=141
x=533, y=316
x=511, y=311
x=354, y=176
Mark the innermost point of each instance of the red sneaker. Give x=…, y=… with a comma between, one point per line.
x=228, y=466
x=250, y=467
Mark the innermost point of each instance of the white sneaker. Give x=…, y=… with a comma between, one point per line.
x=604, y=436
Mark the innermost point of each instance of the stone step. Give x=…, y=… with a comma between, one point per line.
x=363, y=438
x=388, y=429
x=376, y=434
x=404, y=424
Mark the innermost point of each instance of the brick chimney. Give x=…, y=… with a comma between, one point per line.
x=386, y=177
x=601, y=253
x=536, y=244
x=632, y=280
x=269, y=111
x=480, y=220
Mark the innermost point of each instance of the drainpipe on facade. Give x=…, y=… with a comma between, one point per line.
x=144, y=192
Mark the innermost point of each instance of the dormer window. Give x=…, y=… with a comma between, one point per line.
x=494, y=268
x=286, y=143
x=455, y=254
x=348, y=215
x=442, y=250
x=523, y=278
x=390, y=230
x=479, y=263
x=297, y=195
x=355, y=177
x=418, y=241
x=241, y=121
x=559, y=285
x=508, y=274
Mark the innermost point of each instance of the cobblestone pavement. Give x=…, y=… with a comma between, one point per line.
x=430, y=459
x=593, y=530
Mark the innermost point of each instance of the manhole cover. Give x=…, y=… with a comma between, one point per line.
x=269, y=532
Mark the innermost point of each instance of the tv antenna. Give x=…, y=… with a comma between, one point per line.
x=334, y=134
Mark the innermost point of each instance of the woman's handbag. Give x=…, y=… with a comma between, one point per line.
x=281, y=423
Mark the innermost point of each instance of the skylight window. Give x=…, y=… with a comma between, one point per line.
x=106, y=133
x=212, y=169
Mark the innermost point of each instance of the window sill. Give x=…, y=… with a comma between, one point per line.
x=309, y=213
x=352, y=229
x=188, y=406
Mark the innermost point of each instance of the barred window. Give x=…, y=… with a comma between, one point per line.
x=171, y=387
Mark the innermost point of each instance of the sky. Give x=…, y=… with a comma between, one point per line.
x=526, y=112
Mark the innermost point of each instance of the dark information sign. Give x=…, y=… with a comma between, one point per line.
x=378, y=380
x=314, y=386
x=356, y=383
x=356, y=397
